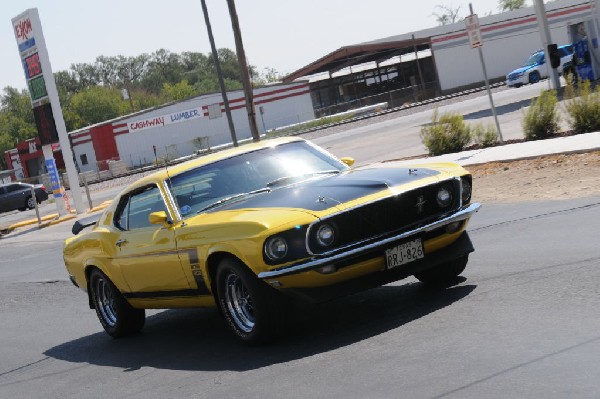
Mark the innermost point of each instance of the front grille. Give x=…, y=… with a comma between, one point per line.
x=391, y=215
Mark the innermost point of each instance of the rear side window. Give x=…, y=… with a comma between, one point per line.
x=14, y=187
x=134, y=209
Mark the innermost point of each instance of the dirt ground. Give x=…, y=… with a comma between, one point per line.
x=551, y=177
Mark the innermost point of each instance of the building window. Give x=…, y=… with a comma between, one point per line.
x=214, y=111
x=83, y=158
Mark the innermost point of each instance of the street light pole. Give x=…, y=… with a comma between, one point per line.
x=239, y=47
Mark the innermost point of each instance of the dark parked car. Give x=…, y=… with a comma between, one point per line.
x=18, y=196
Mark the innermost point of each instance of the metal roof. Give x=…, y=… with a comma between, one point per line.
x=359, y=54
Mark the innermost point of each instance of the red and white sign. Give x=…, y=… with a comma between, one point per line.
x=158, y=121
x=472, y=22
x=23, y=29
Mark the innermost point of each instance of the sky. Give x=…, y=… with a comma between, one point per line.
x=281, y=34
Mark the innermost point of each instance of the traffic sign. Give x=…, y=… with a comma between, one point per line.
x=472, y=22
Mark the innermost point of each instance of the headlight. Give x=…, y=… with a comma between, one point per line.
x=444, y=197
x=325, y=235
x=467, y=190
x=276, y=248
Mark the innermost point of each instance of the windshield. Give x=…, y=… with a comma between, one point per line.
x=252, y=173
x=535, y=59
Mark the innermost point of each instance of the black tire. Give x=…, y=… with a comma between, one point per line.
x=30, y=203
x=254, y=311
x=444, y=272
x=118, y=318
x=534, y=77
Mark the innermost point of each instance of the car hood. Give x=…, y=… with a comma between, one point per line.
x=523, y=69
x=333, y=191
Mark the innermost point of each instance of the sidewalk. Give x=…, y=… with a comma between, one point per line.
x=510, y=152
x=52, y=219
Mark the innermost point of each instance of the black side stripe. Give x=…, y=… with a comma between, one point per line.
x=164, y=294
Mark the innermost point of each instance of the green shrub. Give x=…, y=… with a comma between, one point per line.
x=446, y=134
x=484, y=136
x=583, y=106
x=541, y=119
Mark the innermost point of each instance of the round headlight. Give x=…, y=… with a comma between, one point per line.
x=276, y=248
x=466, y=191
x=325, y=235
x=444, y=197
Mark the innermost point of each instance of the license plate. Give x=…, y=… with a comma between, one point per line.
x=404, y=253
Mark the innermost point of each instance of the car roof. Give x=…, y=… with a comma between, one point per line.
x=13, y=183
x=171, y=171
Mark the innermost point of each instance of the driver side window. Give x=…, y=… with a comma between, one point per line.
x=134, y=209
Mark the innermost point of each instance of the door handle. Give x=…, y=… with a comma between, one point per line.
x=120, y=242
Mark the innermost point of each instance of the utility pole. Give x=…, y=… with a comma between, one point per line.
x=219, y=74
x=239, y=48
x=540, y=12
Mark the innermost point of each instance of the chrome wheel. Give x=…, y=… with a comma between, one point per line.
x=239, y=303
x=105, y=301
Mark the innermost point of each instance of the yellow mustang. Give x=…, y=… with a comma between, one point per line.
x=248, y=228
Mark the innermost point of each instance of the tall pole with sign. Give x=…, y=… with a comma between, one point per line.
x=472, y=22
x=46, y=106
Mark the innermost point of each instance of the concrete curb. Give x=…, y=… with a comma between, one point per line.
x=52, y=219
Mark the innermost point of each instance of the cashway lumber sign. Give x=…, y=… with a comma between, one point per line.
x=472, y=22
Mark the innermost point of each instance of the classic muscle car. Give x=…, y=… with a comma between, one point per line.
x=249, y=229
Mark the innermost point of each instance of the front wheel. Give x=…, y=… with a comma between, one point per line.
x=444, y=272
x=254, y=311
x=534, y=77
x=118, y=318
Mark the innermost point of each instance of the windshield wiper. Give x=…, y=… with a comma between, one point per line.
x=285, y=179
x=233, y=197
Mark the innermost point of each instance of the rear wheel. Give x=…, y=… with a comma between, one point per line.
x=443, y=272
x=30, y=203
x=118, y=318
x=254, y=311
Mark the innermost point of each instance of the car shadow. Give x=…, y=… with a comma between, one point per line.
x=198, y=339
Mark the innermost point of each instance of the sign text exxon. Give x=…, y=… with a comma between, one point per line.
x=23, y=29
x=164, y=120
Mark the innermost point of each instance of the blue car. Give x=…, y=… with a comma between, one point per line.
x=535, y=68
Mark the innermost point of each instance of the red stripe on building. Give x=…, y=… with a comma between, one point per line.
x=268, y=93
x=79, y=135
x=282, y=97
x=527, y=20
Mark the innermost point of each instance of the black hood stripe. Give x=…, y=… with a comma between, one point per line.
x=327, y=192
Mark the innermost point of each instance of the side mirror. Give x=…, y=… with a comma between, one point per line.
x=158, y=218
x=347, y=160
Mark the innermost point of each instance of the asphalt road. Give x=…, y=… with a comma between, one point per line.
x=391, y=137
x=523, y=322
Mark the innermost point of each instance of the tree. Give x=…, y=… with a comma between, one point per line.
x=509, y=5
x=97, y=104
x=17, y=103
x=447, y=14
x=179, y=91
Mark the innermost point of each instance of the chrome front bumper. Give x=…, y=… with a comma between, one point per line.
x=316, y=262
